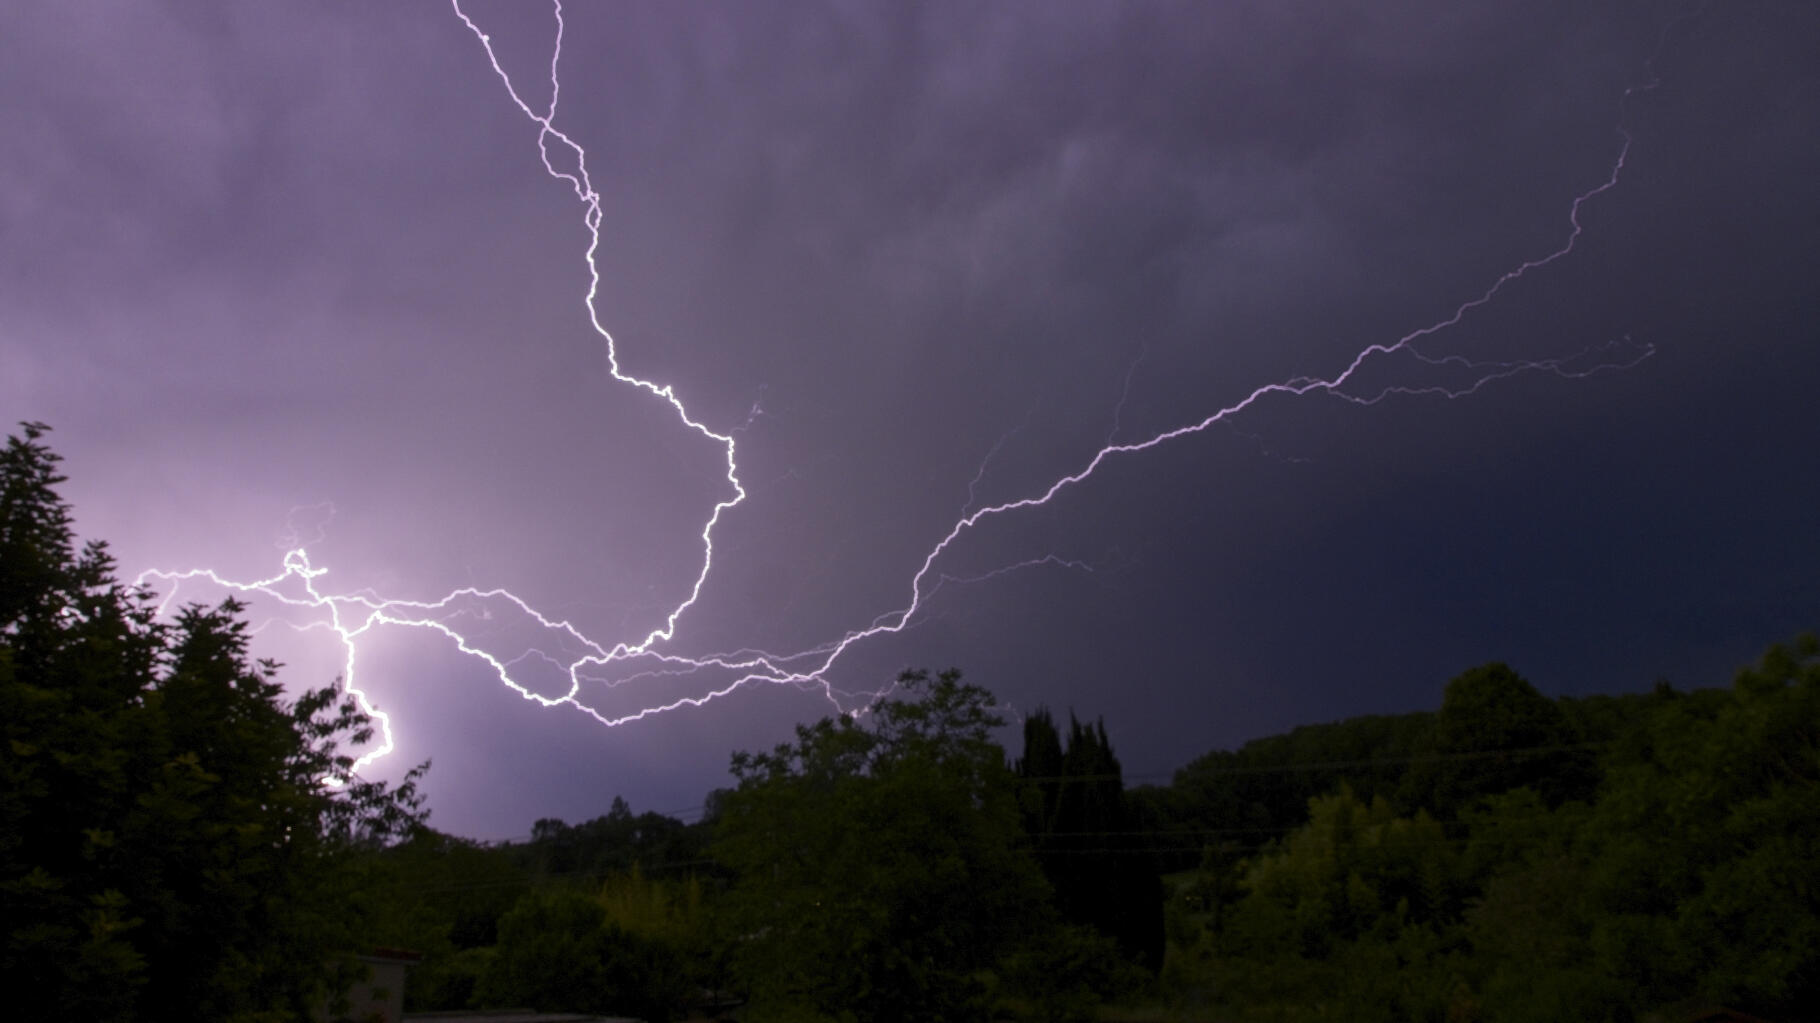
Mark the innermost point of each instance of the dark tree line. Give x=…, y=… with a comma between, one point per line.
x=168, y=846
x=1511, y=857
x=881, y=867
x=615, y=843
x=1506, y=857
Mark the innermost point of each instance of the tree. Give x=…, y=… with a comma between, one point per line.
x=1087, y=837
x=1352, y=909
x=1263, y=788
x=617, y=842
x=566, y=950
x=1352, y=867
x=1694, y=877
x=1706, y=847
x=443, y=897
x=880, y=867
x=170, y=827
x=1495, y=733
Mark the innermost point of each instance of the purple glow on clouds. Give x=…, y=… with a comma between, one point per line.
x=917, y=265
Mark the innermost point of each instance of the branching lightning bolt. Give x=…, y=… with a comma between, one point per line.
x=352, y=616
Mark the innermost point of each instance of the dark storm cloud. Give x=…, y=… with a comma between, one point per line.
x=265, y=256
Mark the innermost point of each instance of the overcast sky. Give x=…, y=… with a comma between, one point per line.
x=259, y=261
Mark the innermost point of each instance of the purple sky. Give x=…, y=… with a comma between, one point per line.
x=262, y=256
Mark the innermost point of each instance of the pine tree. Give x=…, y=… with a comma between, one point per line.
x=1086, y=835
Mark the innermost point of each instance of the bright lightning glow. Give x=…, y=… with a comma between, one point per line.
x=585, y=661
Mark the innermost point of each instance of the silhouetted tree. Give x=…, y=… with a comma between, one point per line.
x=168, y=845
x=1087, y=836
x=880, y=867
x=616, y=842
x=1495, y=733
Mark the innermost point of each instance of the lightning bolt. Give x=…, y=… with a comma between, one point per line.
x=351, y=617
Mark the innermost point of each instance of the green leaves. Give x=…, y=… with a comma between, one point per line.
x=558, y=950
x=1495, y=733
x=1709, y=840
x=1353, y=869
x=1690, y=874
x=880, y=868
x=165, y=838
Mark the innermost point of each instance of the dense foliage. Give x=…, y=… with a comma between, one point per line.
x=1538, y=860
x=875, y=868
x=168, y=847
x=880, y=869
x=1087, y=838
x=170, y=841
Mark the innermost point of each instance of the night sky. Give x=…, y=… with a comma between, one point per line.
x=285, y=274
